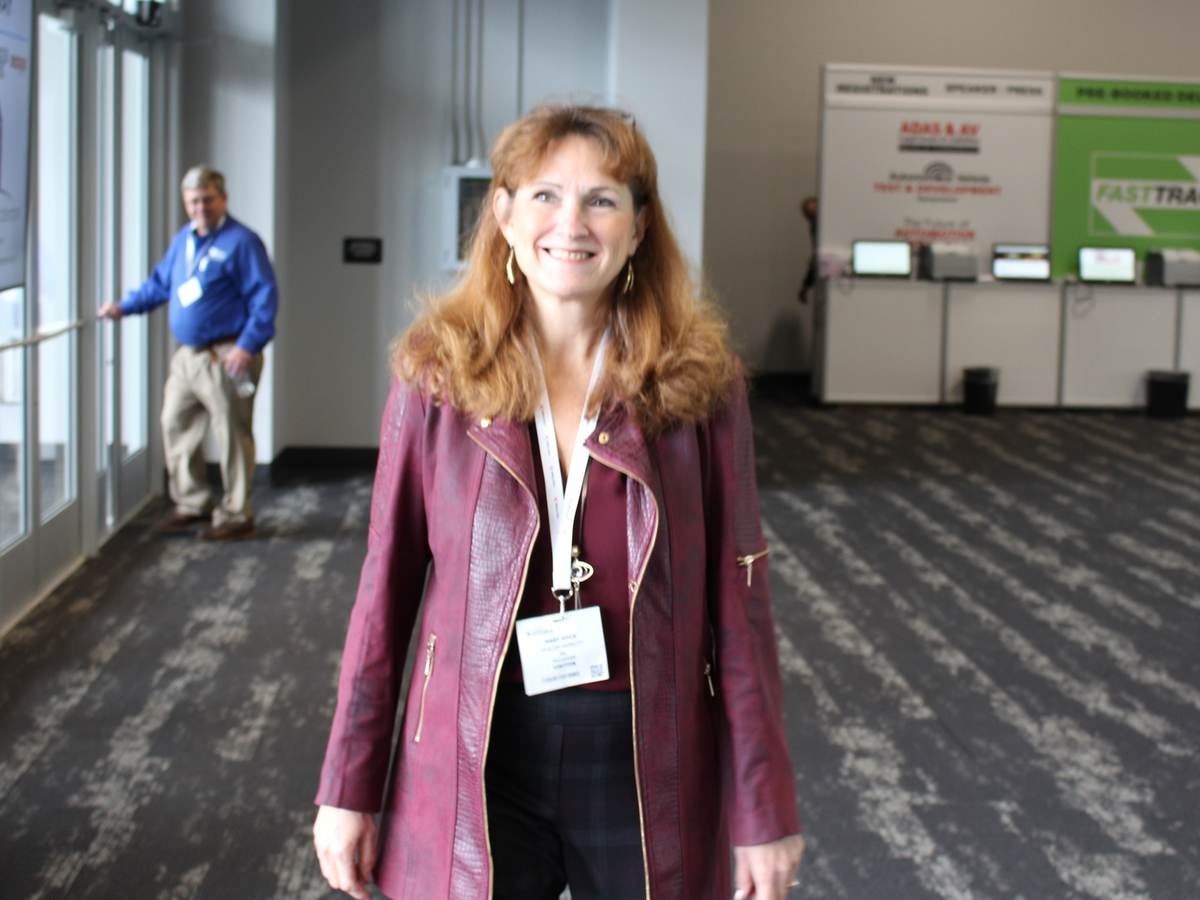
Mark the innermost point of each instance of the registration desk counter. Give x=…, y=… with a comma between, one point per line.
x=905, y=341
x=1111, y=337
x=1189, y=342
x=879, y=341
x=1013, y=328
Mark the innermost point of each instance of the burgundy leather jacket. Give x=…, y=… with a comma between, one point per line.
x=453, y=521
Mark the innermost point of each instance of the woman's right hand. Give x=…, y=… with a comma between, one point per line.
x=345, y=842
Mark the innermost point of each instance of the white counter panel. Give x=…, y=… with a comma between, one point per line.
x=1189, y=344
x=1011, y=327
x=1112, y=336
x=883, y=341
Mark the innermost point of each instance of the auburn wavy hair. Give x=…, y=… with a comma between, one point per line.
x=668, y=360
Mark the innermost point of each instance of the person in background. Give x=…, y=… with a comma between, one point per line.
x=808, y=208
x=565, y=510
x=220, y=285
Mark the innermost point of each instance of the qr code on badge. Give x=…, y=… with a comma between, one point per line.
x=597, y=670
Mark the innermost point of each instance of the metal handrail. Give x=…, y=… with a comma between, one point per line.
x=43, y=336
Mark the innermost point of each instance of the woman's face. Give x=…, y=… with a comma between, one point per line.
x=571, y=226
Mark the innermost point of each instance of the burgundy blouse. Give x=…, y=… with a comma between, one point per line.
x=602, y=544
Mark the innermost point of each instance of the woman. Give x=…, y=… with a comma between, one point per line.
x=631, y=731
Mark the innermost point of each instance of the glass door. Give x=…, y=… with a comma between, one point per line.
x=56, y=226
x=39, y=324
x=123, y=109
x=76, y=435
x=133, y=265
x=15, y=499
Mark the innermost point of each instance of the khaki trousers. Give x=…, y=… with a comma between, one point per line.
x=199, y=394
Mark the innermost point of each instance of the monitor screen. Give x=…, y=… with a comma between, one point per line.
x=887, y=258
x=1108, y=264
x=1021, y=262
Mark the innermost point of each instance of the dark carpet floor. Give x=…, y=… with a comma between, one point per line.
x=989, y=629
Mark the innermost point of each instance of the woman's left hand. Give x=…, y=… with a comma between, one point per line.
x=766, y=871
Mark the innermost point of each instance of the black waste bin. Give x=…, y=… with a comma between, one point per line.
x=1166, y=393
x=980, y=384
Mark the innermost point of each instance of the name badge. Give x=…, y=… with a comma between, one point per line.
x=190, y=291
x=562, y=650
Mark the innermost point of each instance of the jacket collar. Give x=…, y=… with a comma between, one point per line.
x=617, y=442
x=508, y=442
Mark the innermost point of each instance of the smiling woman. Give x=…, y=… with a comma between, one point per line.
x=568, y=426
x=669, y=361
x=572, y=228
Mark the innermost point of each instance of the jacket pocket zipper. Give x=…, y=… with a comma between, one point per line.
x=748, y=561
x=712, y=691
x=430, y=646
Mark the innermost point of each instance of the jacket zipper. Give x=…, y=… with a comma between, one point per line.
x=512, y=624
x=430, y=646
x=636, y=588
x=712, y=691
x=748, y=561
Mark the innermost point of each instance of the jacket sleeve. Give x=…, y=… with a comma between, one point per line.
x=389, y=594
x=756, y=762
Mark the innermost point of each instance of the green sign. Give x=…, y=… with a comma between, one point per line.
x=1140, y=94
x=1126, y=181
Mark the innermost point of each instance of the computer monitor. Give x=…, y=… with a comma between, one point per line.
x=1108, y=265
x=881, y=259
x=1021, y=262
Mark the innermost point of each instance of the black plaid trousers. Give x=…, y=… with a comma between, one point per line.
x=562, y=796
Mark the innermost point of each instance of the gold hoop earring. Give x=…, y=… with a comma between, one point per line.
x=628, y=277
x=508, y=266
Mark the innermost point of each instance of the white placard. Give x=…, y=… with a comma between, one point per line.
x=562, y=650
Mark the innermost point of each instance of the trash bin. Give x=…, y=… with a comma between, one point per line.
x=980, y=384
x=1166, y=393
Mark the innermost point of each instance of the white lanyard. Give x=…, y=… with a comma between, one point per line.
x=193, y=259
x=563, y=502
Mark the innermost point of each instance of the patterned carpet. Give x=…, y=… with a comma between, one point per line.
x=989, y=630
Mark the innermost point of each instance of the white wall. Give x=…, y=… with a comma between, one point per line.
x=360, y=99
x=365, y=129
x=657, y=71
x=228, y=122
x=763, y=99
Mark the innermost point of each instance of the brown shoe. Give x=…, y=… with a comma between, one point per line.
x=177, y=522
x=229, y=531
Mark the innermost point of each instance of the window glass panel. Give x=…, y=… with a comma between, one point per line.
x=13, y=495
x=12, y=315
x=56, y=424
x=106, y=247
x=55, y=264
x=135, y=200
x=56, y=188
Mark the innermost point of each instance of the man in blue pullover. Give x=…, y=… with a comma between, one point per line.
x=221, y=289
